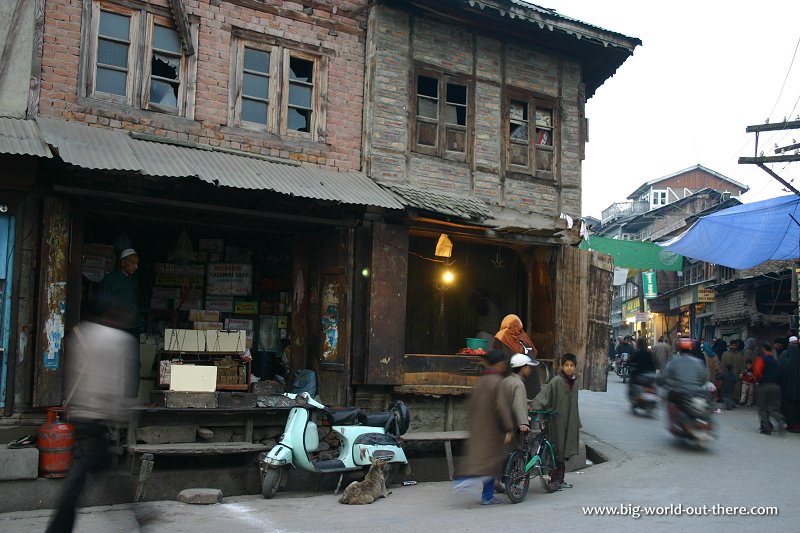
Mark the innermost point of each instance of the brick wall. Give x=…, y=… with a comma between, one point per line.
x=329, y=27
x=399, y=40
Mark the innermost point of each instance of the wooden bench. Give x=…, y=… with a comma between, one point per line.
x=439, y=436
x=147, y=453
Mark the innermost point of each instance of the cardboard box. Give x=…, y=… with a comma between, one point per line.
x=193, y=378
x=184, y=340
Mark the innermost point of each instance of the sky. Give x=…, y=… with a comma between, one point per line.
x=705, y=71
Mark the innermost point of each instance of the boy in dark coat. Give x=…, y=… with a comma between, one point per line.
x=727, y=380
x=561, y=394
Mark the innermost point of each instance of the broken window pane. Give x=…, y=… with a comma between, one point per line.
x=299, y=120
x=163, y=93
x=165, y=66
x=457, y=115
x=518, y=110
x=427, y=86
x=456, y=94
x=301, y=70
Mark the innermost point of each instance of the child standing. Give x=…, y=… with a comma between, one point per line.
x=727, y=381
x=748, y=378
x=561, y=394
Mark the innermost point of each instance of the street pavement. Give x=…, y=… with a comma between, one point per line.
x=647, y=467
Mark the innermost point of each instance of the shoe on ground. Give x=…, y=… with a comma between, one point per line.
x=554, y=486
x=493, y=501
x=565, y=485
x=499, y=488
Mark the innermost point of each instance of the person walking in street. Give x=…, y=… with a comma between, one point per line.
x=662, y=353
x=792, y=346
x=97, y=377
x=736, y=359
x=727, y=380
x=490, y=429
x=789, y=382
x=769, y=392
x=561, y=394
x=712, y=363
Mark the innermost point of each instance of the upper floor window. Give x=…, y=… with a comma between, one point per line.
x=277, y=89
x=659, y=198
x=120, y=68
x=441, y=118
x=532, y=133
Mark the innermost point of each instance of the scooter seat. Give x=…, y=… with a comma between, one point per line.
x=347, y=416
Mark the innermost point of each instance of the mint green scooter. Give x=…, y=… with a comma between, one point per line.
x=361, y=438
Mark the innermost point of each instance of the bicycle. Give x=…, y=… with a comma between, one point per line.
x=536, y=458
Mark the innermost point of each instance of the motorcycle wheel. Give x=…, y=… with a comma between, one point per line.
x=269, y=485
x=517, y=480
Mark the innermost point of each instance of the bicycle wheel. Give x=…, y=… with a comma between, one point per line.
x=546, y=456
x=517, y=480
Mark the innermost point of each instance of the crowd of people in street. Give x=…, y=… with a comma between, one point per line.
x=499, y=411
x=744, y=373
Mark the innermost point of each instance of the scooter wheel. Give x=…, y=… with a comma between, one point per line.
x=269, y=485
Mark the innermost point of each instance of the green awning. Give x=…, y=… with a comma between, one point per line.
x=635, y=254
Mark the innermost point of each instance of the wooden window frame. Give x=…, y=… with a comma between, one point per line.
x=440, y=150
x=93, y=47
x=237, y=85
x=319, y=88
x=534, y=102
x=139, y=59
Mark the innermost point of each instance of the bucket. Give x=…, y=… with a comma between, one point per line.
x=56, y=442
x=474, y=344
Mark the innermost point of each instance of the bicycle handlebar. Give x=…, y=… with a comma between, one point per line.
x=546, y=413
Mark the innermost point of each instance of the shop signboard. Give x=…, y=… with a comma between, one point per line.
x=630, y=307
x=706, y=295
x=641, y=316
x=229, y=279
x=649, y=284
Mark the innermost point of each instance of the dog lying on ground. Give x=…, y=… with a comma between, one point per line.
x=369, y=490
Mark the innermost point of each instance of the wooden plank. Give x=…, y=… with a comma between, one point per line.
x=436, y=435
x=572, y=300
x=601, y=276
x=387, y=321
x=198, y=448
x=36, y=62
x=182, y=23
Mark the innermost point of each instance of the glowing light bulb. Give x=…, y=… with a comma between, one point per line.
x=448, y=277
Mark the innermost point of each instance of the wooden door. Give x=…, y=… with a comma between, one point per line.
x=583, y=307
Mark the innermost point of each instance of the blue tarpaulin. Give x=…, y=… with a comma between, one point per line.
x=744, y=236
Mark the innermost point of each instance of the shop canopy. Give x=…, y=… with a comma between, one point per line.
x=744, y=236
x=635, y=254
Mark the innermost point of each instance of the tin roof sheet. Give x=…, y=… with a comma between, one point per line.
x=464, y=207
x=102, y=149
x=22, y=137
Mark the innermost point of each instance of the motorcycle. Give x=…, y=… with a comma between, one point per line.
x=621, y=366
x=643, y=394
x=360, y=437
x=689, y=418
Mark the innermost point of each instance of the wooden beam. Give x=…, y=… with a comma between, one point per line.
x=785, y=149
x=182, y=23
x=768, y=159
x=36, y=62
x=780, y=179
x=790, y=125
x=294, y=14
x=11, y=38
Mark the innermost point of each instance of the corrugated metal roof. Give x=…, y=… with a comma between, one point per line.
x=464, y=207
x=22, y=137
x=103, y=149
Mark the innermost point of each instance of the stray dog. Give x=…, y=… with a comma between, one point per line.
x=369, y=490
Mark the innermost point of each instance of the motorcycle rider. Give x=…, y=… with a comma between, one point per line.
x=685, y=375
x=642, y=365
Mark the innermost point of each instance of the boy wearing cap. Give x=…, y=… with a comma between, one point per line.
x=513, y=389
x=561, y=394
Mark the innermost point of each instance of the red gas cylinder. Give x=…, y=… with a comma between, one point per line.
x=56, y=442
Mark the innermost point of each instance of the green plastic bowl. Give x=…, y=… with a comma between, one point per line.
x=474, y=344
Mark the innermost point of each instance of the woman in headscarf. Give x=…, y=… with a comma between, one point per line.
x=511, y=339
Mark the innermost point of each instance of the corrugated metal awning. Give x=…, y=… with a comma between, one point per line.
x=22, y=137
x=102, y=149
x=464, y=207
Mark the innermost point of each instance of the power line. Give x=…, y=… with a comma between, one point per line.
x=785, y=79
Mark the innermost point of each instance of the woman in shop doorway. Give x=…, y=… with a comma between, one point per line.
x=512, y=339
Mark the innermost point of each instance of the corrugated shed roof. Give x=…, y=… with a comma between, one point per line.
x=464, y=207
x=103, y=149
x=22, y=137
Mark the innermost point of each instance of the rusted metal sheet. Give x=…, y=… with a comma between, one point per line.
x=52, y=303
x=387, y=321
